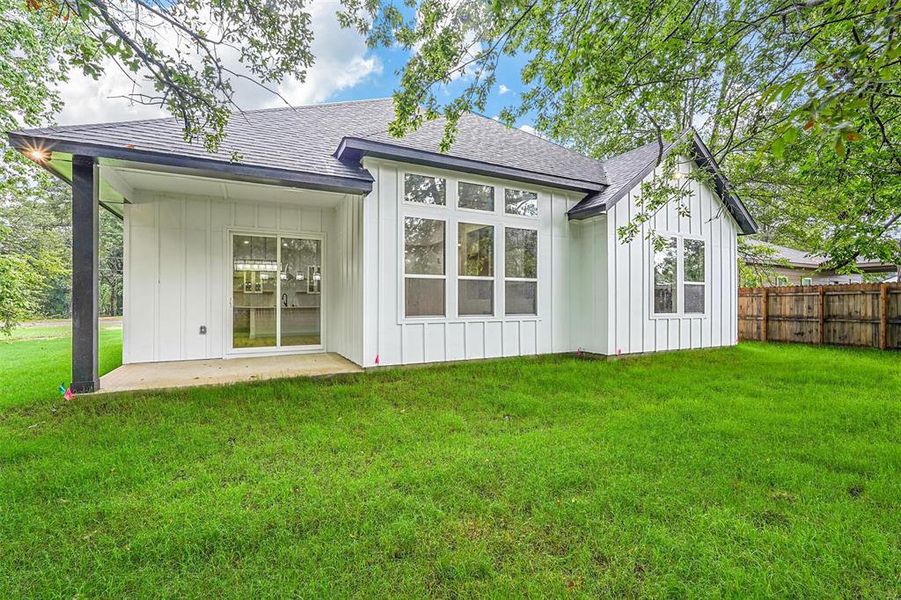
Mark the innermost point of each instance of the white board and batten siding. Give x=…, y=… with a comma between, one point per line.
x=632, y=326
x=595, y=293
x=396, y=339
x=178, y=272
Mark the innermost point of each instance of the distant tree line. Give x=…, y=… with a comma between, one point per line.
x=36, y=257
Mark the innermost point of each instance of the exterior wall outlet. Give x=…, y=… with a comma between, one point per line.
x=203, y=330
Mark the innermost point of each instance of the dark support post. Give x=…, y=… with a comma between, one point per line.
x=85, y=283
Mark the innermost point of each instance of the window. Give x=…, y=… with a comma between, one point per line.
x=519, y=202
x=475, y=281
x=693, y=277
x=665, y=278
x=423, y=189
x=424, y=272
x=520, y=271
x=475, y=196
x=804, y=281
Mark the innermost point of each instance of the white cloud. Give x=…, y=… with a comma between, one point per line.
x=342, y=61
x=529, y=129
x=503, y=89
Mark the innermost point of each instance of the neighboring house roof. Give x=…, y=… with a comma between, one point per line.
x=783, y=256
x=320, y=146
x=775, y=255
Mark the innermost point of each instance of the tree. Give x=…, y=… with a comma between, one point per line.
x=764, y=81
x=180, y=55
x=111, y=265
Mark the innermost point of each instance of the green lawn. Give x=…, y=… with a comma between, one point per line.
x=751, y=471
x=34, y=361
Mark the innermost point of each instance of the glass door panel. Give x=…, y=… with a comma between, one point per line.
x=301, y=292
x=254, y=291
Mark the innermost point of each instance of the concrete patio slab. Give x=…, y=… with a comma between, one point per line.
x=190, y=373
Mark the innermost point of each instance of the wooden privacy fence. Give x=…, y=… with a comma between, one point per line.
x=867, y=314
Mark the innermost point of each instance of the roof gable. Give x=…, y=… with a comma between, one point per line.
x=627, y=170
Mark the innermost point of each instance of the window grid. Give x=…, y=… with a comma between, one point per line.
x=411, y=279
x=499, y=218
x=683, y=287
x=464, y=229
x=517, y=281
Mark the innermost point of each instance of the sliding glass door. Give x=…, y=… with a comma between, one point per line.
x=254, y=291
x=276, y=292
x=301, y=292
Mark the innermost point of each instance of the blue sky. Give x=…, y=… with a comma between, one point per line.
x=345, y=69
x=505, y=93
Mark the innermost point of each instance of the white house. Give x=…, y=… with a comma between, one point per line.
x=312, y=230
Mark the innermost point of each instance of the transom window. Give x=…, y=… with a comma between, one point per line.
x=423, y=189
x=520, y=271
x=475, y=196
x=520, y=202
x=680, y=277
x=424, y=267
x=475, y=270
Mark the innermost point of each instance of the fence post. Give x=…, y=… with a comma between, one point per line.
x=764, y=313
x=822, y=315
x=883, y=316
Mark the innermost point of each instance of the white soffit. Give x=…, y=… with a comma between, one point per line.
x=132, y=182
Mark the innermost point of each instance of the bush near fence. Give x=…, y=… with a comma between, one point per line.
x=843, y=315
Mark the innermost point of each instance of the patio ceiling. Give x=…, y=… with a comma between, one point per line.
x=128, y=182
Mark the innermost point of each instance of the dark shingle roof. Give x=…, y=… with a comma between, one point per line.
x=627, y=170
x=624, y=172
x=305, y=138
x=304, y=143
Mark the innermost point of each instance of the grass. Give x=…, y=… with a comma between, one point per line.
x=36, y=360
x=761, y=470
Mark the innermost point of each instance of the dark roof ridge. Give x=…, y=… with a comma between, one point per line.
x=237, y=113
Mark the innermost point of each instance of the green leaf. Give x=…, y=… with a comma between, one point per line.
x=778, y=148
x=840, y=147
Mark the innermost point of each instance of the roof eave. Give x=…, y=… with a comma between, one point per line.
x=733, y=203
x=352, y=149
x=225, y=170
x=704, y=158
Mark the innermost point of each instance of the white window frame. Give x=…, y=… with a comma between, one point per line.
x=403, y=266
x=685, y=282
x=475, y=211
x=403, y=190
x=680, y=278
x=452, y=214
x=522, y=279
x=228, y=348
x=492, y=278
x=515, y=215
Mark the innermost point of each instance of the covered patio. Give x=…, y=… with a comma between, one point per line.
x=190, y=373
x=232, y=271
